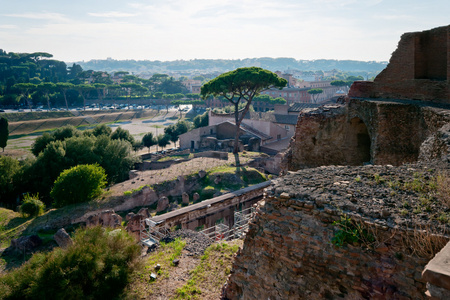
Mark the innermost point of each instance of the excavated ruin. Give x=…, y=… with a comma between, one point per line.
x=360, y=211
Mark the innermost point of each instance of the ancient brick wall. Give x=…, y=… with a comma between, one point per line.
x=288, y=252
x=419, y=69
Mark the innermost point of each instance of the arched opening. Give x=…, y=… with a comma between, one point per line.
x=361, y=141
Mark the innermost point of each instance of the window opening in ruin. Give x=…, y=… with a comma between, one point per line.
x=361, y=141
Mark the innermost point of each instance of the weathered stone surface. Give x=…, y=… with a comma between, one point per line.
x=106, y=218
x=201, y=173
x=26, y=243
x=144, y=212
x=368, y=130
x=134, y=225
x=185, y=199
x=62, y=238
x=288, y=251
x=163, y=204
x=145, y=197
x=129, y=216
x=437, y=271
x=196, y=197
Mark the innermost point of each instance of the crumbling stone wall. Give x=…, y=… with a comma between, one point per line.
x=288, y=251
x=419, y=69
x=376, y=131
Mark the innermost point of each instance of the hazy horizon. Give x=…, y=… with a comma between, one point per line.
x=361, y=30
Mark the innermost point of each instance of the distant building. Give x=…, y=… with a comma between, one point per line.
x=291, y=95
x=192, y=85
x=267, y=132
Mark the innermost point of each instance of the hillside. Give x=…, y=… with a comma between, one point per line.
x=223, y=65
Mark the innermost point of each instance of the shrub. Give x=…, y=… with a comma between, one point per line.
x=32, y=206
x=97, y=266
x=207, y=193
x=350, y=232
x=78, y=184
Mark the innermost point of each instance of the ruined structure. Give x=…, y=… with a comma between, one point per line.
x=389, y=120
x=293, y=250
x=324, y=231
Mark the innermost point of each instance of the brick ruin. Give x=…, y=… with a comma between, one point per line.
x=392, y=120
x=289, y=253
x=418, y=70
x=398, y=127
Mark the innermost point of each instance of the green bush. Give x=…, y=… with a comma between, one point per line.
x=78, y=184
x=32, y=206
x=97, y=266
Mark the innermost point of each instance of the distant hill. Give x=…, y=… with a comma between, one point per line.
x=223, y=65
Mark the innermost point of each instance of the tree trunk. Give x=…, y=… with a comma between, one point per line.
x=48, y=103
x=65, y=99
x=238, y=125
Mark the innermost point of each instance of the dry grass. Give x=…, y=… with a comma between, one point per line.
x=443, y=188
x=424, y=241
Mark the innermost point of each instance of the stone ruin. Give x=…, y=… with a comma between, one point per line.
x=400, y=117
x=397, y=127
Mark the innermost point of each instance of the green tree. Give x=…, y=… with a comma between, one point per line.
x=59, y=134
x=78, y=184
x=101, y=129
x=339, y=83
x=116, y=157
x=41, y=143
x=122, y=134
x=100, y=87
x=149, y=140
x=25, y=90
x=4, y=133
x=201, y=120
x=84, y=89
x=64, y=87
x=241, y=85
x=163, y=140
x=9, y=167
x=315, y=94
x=46, y=88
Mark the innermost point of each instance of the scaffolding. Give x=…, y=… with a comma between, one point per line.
x=150, y=234
x=220, y=232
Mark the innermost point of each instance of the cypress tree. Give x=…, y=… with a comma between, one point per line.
x=4, y=132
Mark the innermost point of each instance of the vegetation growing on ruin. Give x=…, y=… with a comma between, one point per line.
x=350, y=232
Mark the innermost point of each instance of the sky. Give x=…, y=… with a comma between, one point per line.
x=367, y=30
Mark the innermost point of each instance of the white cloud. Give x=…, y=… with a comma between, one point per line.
x=112, y=14
x=8, y=26
x=54, y=17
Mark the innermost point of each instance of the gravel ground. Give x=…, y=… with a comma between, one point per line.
x=196, y=243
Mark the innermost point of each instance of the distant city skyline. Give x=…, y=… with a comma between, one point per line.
x=366, y=30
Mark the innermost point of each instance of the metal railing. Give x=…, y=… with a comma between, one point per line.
x=222, y=232
x=150, y=234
